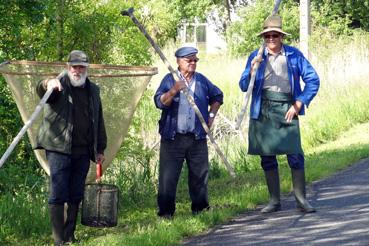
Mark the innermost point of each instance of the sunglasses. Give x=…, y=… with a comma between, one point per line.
x=271, y=36
x=195, y=60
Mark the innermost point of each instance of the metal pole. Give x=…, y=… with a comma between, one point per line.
x=129, y=13
x=258, y=58
x=26, y=126
x=4, y=63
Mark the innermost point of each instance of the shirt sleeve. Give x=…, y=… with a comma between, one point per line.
x=165, y=85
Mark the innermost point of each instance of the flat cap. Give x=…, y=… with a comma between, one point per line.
x=77, y=58
x=186, y=52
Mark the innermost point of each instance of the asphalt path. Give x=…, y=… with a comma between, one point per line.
x=342, y=217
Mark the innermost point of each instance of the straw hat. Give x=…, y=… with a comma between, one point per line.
x=273, y=23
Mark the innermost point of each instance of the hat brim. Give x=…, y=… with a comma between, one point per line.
x=273, y=29
x=85, y=64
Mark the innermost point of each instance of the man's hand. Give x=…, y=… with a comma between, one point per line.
x=210, y=122
x=53, y=84
x=179, y=85
x=100, y=158
x=293, y=111
x=258, y=59
x=167, y=97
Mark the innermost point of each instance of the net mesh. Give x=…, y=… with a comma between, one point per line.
x=121, y=88
x=100, y=205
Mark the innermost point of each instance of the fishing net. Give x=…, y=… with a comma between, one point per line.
x=121, y=88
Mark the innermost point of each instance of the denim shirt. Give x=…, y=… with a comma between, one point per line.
x=186, y=115
x=298, y=67
x=206, y=93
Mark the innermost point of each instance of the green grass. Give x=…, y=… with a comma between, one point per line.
x=229, y=197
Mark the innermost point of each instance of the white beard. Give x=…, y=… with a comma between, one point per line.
x=77, y=82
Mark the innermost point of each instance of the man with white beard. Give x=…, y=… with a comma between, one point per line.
x=72, y=133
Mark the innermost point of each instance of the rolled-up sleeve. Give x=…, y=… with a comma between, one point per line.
x=215, y=95
x=165, y=85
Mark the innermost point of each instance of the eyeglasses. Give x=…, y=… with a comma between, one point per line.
x=271, y=36
x=195, y=60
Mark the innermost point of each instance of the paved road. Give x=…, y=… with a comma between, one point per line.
x=342, y=218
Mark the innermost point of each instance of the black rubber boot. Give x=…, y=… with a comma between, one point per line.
x=272, y=180
x=57, y=222
x=298, y=181
x=70, y=223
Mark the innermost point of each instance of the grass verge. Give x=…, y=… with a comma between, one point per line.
x=140, y=225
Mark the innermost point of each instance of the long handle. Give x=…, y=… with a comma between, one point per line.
x=190, y=99
x=241, y=115
x=26, y=126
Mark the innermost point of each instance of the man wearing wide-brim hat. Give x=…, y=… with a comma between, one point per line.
x=277, y=101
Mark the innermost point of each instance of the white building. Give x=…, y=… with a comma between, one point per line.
x=202, y=36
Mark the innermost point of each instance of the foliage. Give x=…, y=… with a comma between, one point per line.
x=242, y=34
x=132, y=169
x=353, y=12
x=324, y=16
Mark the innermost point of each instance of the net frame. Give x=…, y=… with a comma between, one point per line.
x=31, y=69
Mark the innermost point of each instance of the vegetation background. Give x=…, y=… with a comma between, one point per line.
x=333, y=129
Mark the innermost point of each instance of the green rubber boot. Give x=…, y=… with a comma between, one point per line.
x=272, y=180
x=298, y=181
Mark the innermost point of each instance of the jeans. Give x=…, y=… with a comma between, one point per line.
x=172, y=155
x=67, y=177
x=295, y=161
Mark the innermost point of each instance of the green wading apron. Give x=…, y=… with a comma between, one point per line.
x=271, y=134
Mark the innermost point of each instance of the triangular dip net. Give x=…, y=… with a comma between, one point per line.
x=121, y=88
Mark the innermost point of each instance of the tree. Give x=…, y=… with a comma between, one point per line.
x=355, y=11
x=242, y=34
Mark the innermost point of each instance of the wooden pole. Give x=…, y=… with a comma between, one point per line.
x=305, y=27
x=189, y=97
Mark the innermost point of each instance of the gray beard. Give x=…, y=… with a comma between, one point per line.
x=79, y=82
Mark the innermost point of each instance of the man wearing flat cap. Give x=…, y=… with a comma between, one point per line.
x=72, y=133
x=277, y=101
x=182, y=135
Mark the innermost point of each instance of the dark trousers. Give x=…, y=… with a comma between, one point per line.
x=295, y=161
x=67, y=177
x=172, y=155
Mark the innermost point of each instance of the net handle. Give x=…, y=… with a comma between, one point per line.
x=28, y=124
x=25, y=127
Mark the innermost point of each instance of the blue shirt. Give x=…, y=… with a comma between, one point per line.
x=186, y=115
x=298, y=67
x=205, y=94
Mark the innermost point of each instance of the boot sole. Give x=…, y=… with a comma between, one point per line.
x=275, y=209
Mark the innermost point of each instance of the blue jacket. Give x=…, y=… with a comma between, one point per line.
x=298, y=67
x=206, y=93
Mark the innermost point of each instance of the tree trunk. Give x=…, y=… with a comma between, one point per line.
x=60, y=29
x=227, y=5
